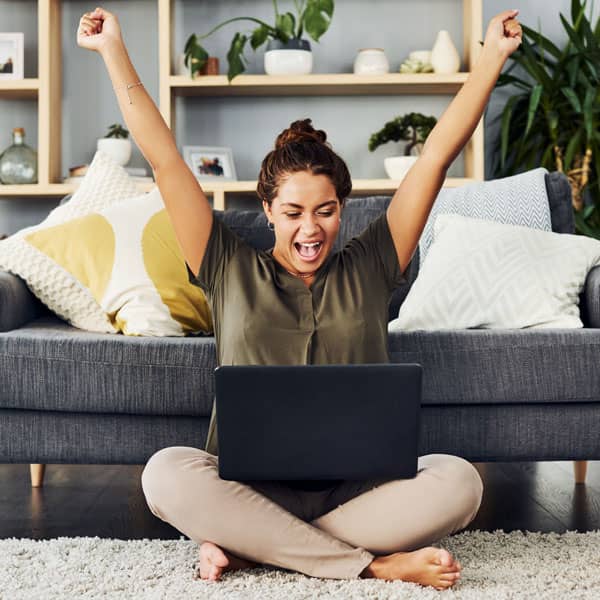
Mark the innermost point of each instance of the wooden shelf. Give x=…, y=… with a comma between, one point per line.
x=19, y=89
x=220, y=189
x=317, y=84
x=50, y=190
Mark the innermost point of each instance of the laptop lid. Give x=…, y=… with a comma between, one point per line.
x=316, y=422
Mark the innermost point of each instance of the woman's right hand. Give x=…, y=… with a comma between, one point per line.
x=98, y=29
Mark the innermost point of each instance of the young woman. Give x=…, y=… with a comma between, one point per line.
x=300, y=303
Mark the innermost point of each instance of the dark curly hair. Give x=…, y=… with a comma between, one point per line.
x=300, y=147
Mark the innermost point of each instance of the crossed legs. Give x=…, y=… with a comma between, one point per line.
x=337, y=533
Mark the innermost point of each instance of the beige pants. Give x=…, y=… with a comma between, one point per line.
x=333, y=533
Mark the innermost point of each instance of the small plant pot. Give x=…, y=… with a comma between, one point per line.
x=119, y=149
x=291, y=58
x=397, y=167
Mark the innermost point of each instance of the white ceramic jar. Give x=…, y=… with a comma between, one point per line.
x=371, y=61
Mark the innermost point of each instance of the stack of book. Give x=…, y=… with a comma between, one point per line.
x=138, y=174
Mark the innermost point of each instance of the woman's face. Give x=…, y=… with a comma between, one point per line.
x=306, y=215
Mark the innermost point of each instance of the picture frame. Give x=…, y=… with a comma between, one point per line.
x=210, y=163
x=11, y=55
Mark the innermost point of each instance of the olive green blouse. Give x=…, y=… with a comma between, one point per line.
x=265, y=316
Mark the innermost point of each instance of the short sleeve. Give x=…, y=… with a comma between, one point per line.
x=222, y=245
x=375, y=249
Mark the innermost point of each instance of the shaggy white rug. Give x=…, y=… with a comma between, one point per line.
x=495, y=565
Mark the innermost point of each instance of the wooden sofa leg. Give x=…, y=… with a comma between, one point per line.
x=580, y=467
x=37, y=475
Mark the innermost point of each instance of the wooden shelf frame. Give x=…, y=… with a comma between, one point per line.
x=46, y=89
x=173, y=86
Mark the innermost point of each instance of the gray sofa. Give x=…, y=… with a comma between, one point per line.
x=72, y=396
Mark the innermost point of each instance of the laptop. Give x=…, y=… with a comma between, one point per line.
x=318, y=422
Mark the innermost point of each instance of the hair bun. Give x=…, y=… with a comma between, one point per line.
x=298, y=132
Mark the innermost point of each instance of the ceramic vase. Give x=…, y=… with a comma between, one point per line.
x=444, y=55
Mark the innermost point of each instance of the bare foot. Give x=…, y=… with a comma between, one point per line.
x=428, y=566
x=214, y=561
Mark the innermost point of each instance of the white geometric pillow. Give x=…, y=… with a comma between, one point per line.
x=483, y=274
x=104, y=184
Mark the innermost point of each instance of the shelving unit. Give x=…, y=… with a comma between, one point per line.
x=335, y=84
x=47, y=90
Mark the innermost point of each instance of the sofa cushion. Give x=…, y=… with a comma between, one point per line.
x=49, y=365
x=490, y=366
x=85, y=372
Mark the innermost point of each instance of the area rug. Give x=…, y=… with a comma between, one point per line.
x=495, y=565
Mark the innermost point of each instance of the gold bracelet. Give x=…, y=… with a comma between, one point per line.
x=128, y=87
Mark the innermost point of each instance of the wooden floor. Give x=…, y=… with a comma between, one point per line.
x=107, y=501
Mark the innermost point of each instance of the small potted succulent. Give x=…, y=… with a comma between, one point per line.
x=413, y=128
x=116, y=143
x=288, y=52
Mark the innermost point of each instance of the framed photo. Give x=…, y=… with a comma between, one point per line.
x=210, y=163
x=11, y=55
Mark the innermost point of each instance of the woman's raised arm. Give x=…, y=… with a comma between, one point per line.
x=412, y=202
x=186, y=204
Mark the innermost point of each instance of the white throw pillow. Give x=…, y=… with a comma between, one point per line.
x=108, y=260
x=483, y=274
x=104, y=184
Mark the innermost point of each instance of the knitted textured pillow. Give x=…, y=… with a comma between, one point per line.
x=482, y=274
x=108, y=260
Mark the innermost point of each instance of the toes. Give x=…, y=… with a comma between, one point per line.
x=444, y=558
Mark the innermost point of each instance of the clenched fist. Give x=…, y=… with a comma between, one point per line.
x=98, y=29
x=504, y=34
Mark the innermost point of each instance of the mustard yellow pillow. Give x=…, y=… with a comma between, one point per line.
x=127, y=257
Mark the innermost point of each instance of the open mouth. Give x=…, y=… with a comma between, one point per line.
x=308, y=252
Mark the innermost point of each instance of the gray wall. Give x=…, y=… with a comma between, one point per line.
x=248, y=125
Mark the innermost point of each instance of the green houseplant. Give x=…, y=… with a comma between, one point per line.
x=312, y=17
x=553, y=119
x=116, y=143
x=412, y=128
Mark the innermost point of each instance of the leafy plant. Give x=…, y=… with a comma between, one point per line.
x=312, y=17
x=553, y=119
x=117, y=131
x=413, y=128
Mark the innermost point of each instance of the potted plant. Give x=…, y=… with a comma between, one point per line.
x=553, y=118
x=116, y=143
x=287, y=51
x=413, y=128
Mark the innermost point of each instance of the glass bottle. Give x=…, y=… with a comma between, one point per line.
x=18, y=163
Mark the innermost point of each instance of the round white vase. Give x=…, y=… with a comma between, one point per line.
x=119, y=149
x=444, y=55
x=291, y=58
x=397, y=167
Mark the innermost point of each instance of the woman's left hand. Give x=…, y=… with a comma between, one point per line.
x=504, y=34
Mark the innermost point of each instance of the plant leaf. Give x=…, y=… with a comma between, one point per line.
x=588, y=103
x=534, y=101
x=285, y=24
x=235, y=56
x=259, y=36
x=572, y=98
x=317, y=17
x=573, y=35
x=536, y=36
x=572, y=148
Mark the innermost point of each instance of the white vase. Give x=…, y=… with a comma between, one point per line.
x=119, y=149
x=444, y=55
x=397, y=167
x=292, y=58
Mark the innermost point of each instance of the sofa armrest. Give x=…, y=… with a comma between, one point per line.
x=17, y=304
x=589, y=300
